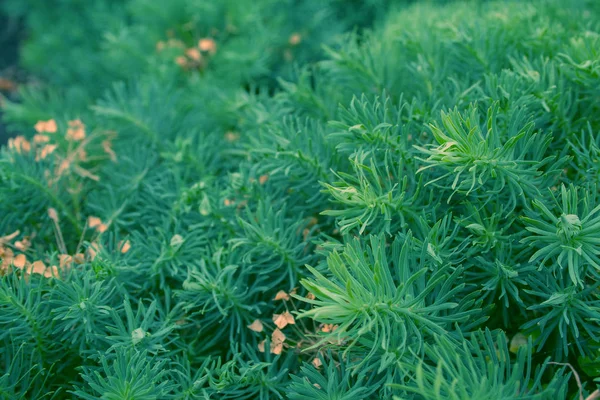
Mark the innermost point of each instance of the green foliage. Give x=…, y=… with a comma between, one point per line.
x=481, y=368
x=302, y=199
x=474, y=158
x=126, y=375
x=334, y=381
x=568, y=237
x=396, y=304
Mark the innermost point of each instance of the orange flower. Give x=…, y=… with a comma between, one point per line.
x=51, y=272
x=277, y=339
x=282, y=320
x=277, y=349
x=45, y=151
x=65, y=261
x=7, y=257
x=207, y=44
x=46, y=126
x=20, y=261
x=281, y=295
x=194, y=54
x=256, y=326
x=95, y=222
x=317, y=362
x=41, y=138
x=76, y=131
x=124, y=246
x=38, y=267
x=19, y=144
x=24, y=244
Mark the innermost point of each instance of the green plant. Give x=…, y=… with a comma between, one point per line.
x=302, y=199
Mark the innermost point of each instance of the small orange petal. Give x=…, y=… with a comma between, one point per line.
x=281, y=295
x=51, y=126
x=45, y=151
x=317, y=362
x=276, y=348
x=194, y=54
x=41, y=138
x=19, y=261
x=76, y=131
x=46, y=126
x=65, y=260
x=19, y=144
x=23, y=245
x=289, y=318
x=256, y=326
x=263, y=179
x=94, y=221
x=51, y=272
x=280, y=321
x=277, y=337
x=38, y=267
x=261, y=346
x=5, y=263
x=207, y=44
x=283, y=320
x=125, y=246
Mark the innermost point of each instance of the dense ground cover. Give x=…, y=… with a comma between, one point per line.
x=302, y=200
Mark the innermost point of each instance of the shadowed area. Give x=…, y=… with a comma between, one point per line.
x=10, y=37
